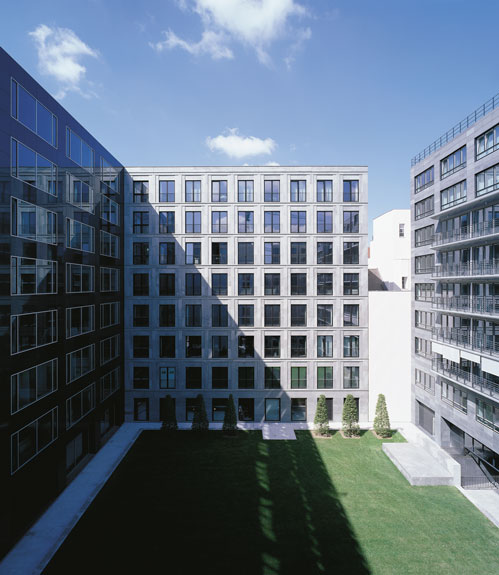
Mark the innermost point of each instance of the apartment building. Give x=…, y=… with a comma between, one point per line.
x=455, y=267
x=250, y=281
x=61, y=314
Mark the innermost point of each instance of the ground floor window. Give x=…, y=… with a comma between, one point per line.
x=141, y=409
x=426, y=417
x=272, y=409
x=191, y=405
x=246, y=409
x=218, y=407
x=329, y=405
x=162, y=407
x=298, y=409
x=74, y=452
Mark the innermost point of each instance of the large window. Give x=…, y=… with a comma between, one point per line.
x=351, y=253
x=140, y=253
x=109, y=210
x=350, y=284
x=350, y=222
x=192, y=222
x=245, y=253
x=167, y=222
x=140, y=192
x=79, y=151
x=272, y=409
x=325, y=377
x=109, y=349
x=193, y=253
x=424, y=208
x=167, y=378
x=424, y=264
x=272, y=377
x=193, y=315
x=245, y=284
x=298, y=409
x=218, y=284
x=453, y=196
x=324, y=284
x=272, y=253
x=246, y=346
x=32, y=168
x=424, y=292
x=219, y=315
x=272, y=223
x=351, y=346
x=167, y=253
x=423, y=236
x=424, y=180
x=272, y=284
x=298, y=222
x=246, y=315
x=140, y=284
x=32, y=384
x=166, y=191
x=166, y=284
x=298, y=253
x=141, y=315
x=193, y=284
x=167, y=346
x=487, y=181
x=324, y=222
x=298, y=191
x=109, y=245
x=109, y=314
x=272, y=315
x=350, y=377
x=33, y=222
x=246, y=377
x=79, y=236
x=245, y=222
x=79, y=404
x=219, y=377
x=487, y=143
x=452, y=163
x=193, y=190
x=31, y=330
x=30, y=276
x=80, y=362
x=109, y=279
x=298, y=346
x=324, y=346
x=219, y=253
x=109, y=383
x=272, y=346
x=324, y=190
x=351, y=190
x=167, y=315
x=298, y=284
x=141, y=346
x=219, y=222
x=79, y=193
x=298, y=315
x=271, y=191
x=245, y=191
x=140, y=222
x=219, y=346
x=193, y=346
x=351, y=314
x=298, y=378
x=219, y=190
x=324, y=252
x=487, y=414
x=324, y=315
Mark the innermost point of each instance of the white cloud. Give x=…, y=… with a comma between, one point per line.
x=272, y=164
x=236, y=146
x=301, y=37
x=59, y=54
x=254, y=23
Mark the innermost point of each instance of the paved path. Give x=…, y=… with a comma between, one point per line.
x=278, y=431
x=486, y=500
x=33, y=552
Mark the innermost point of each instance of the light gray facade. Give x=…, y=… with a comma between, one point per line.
x=455, y=274
x=288, y=286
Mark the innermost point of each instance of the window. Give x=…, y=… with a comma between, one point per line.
x=140, y=284
x=350, y=284
x=218, y=284
x=140, y=222
x=487, y=143
x=193, y=315
x=298, y=315
x=351, y=346
x=272, y=284
x=80, y=194
x=109, y=279
x=32, y=384
x=424, y=264
x=79, y=236
x=298, y=222
x=424, y=180
x=219, y=378
x=166, y=191
x=245, y=315
x=109, y=383
x=79, y=320
x=401, y=230
x=140, y=192
x=423, y=236
x=487, y=414
x=272, y=315
x=271, y=191
x=33, y=276
x=245, y=284
x=109, y=314
x=193, y=346
x=245, y=346
x=272, y=346
x=79, y=151
x=245, y=253
x=193, y=284
x=422, y=347
x=191, y=406
x=298, y=191
x=272, y=253
x=140, y=253
x=80, y=362
x=324, y=252
x=298, y=346
x=219, y=190
x=245, y=225
x=272, y=377
x=167, y=222
x=298, y=409
x=167, y=378
x=455, y=396
x=325, y=377
x=424, y=292
x=166, y=284
x=350, y=222
x=79, y=404
x=167, y=346
x=272, y=223
x=324, y=315
x=246, y=378
x=298, y=253
x=109, y=244
x=453, y=196
x=423, y=319
x=219, y=346
x=109, y=176
x=33, y=114
x=141, y=315
x=140, y=346
x=272, y=409
x=140, y=377
x=167, y=253
x=324, y=346
x=218, y=222
x=351, y=190
x=245, y=191
x=32, y=168
x=246, y=409
x=192, y=190
x=109, y=349
x=350, y=377
x=219, y=253
x=192, y=222
x=351, y=314
x=487, y=181
x=109, y=210
x=298, y=284
x=324, y=190
x=452, y=163
x=324, y=284
x=167, y=315
x=424, y=208
x=219, y=315
x=298, y=378
x=351, y=253
x=193, y=253
x=324, y=222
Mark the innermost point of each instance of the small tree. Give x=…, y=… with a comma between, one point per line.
x=230, y=419
x=169, y=415
x=381, y=419
x=321, y=419
x=350, y=417
x=200, y=420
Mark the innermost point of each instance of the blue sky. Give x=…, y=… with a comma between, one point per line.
x=214, y=82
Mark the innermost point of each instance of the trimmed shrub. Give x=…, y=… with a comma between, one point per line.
x=381, y=419
x=169, y=415
x=321, y=419
x=230, y=419
x=350, y=425
x=200, y=420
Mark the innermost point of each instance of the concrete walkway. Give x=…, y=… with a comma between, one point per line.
x=33, y=552
x=486, y=500
x=278, y=431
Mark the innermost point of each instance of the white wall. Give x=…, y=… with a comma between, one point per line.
x=390, y=352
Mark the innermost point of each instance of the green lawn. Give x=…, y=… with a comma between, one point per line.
x=182, y=503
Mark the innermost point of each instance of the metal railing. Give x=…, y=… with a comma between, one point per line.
x=489, y=479
x=480, y=112
x=472, y=339
x=467, y=269
x=488, y=305
x=466, y=233
x=475, y=382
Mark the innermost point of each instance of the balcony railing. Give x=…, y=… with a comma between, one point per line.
x=466, y=233
x=471, y=339
x=487, y=305
x=475, y=382
x=467, y=269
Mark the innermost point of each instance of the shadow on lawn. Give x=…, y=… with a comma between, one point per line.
x=181, y=504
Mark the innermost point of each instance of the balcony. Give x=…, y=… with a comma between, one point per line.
x=469, y=269
x=480, y=305
x=470, y=339
x=467, y=234
x=470, y=380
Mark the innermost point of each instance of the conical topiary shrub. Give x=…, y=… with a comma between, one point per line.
x=350, y=425
x=321, y=419
x=169, y=415
x=200, y=420
x=381, y=419
x=230, y=419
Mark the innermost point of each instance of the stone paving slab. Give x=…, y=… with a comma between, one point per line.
x=486, y=500
x=274, y=431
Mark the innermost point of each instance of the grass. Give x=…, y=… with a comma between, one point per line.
x=183, y=503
